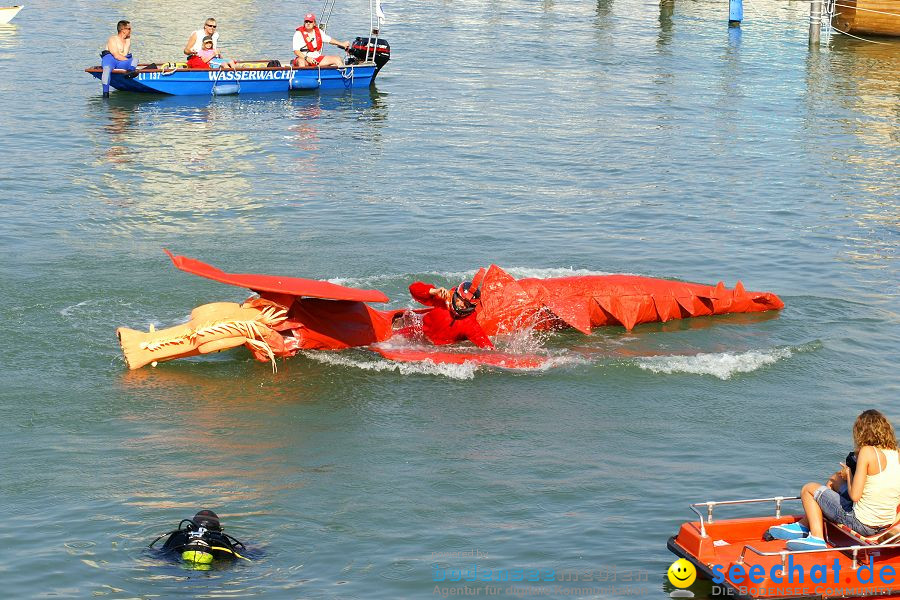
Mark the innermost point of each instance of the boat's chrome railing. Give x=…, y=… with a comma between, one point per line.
x=376, y=18
x=778, y=500
x=785, y=553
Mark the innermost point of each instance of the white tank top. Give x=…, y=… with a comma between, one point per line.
x=878, y=505
x=198, y=41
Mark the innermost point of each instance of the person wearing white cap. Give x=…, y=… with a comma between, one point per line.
x=308, y=43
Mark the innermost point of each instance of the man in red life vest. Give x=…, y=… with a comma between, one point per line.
x=308, y=43
x=453, y=317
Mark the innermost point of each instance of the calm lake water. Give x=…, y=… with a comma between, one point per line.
x=547, y=137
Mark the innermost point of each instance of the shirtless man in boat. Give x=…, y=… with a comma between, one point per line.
x=117, y=54
x=308, y=43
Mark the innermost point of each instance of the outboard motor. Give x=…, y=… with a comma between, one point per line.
x=374, y=48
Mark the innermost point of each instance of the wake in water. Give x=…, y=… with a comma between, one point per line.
x=450, y=371
x=448, y=278
x=723, y=365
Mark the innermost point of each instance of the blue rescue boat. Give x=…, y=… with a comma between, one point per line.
x=367, y=56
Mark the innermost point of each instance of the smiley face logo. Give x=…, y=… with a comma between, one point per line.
x=681, y=573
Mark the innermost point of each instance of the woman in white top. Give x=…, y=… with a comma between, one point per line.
x=195, y=43
x=868, y=503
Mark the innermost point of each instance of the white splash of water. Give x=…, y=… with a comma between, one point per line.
x=406, y=278
x=459, y=276
x=427, y=367
x=722, y=364
x=546, y=273
x=462, y=371
x=524, y=339
x=68, y=311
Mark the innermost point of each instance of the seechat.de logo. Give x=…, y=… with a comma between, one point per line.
x=682, y=573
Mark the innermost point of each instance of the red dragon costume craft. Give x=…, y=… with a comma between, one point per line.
x=290, y=314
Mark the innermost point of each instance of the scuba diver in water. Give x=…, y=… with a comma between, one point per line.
x=452, y=318
x=202, y=540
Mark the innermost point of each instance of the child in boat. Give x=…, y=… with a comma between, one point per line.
x=212, y=56
x=865, y=500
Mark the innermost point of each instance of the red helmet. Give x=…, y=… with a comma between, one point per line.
x=462, y=304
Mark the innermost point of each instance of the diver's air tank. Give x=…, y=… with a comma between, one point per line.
x=197, y=550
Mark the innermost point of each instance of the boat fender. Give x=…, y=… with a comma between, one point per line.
x=302, y=83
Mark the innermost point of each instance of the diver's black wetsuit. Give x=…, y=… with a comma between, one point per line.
x=203, y=533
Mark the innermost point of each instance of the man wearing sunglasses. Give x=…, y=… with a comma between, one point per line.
x=117, y=54
x=308, y=42
x=195, y=43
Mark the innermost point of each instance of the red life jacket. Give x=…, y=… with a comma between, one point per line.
x=309, y=45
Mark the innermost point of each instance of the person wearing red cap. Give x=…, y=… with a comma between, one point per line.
x=452, y=318
x=308, y=43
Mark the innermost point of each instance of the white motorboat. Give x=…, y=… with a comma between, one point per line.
x=8, y=12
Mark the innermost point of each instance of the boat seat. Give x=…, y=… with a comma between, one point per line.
x=888, y=536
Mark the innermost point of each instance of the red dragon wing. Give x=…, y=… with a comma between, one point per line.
x=292, y=286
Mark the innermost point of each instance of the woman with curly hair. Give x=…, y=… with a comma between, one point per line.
x=865, y=500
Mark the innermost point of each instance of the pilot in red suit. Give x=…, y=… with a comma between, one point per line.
x=453, y=317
